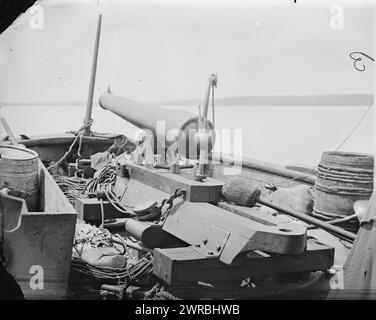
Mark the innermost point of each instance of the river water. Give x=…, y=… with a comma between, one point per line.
x=278, y=134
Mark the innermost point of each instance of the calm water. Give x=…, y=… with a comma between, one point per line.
x=275, y=134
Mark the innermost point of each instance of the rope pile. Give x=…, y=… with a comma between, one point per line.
x=72, y=187
x=95, y=244
x=107, y=175
x=342, y=182
x=102, y=187
x=346, y=175
x=78, y=135
x=95, y=237
x=158, y=292
x=132, y=272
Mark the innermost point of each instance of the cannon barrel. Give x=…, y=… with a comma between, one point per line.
x=167, y=124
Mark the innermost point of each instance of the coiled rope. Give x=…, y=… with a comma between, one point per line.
x=107, y=175
x=72, y=187
x=129, y=274
x=343, y=181
x=102, y=187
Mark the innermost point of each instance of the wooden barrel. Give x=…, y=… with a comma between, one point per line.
x=342, y=179
x=19, y=170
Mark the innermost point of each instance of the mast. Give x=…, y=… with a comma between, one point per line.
x=89, y=103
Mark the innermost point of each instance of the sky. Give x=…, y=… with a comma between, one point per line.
x=165, y=50
x=162, y=52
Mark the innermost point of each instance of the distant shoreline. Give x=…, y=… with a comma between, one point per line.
x=306, y=100
x=298, y=100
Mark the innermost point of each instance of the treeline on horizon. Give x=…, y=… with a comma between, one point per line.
x=298, y=100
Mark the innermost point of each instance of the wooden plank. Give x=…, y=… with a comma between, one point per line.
x=304, y=168
x=137, y=193
x=221, y=232
x=89, y=210
x=313, y=286
x=10, y=133
x=186, y=265
x=264, y=168
x=207, y=191
x=53, y=147
x=41, y=241
x=51, y=198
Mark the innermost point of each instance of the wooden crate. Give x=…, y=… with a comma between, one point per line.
x=39, y=241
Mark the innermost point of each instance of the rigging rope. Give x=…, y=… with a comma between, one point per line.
x=356, y=126
x=343, y=142
x=78, y=134
x=213, y=118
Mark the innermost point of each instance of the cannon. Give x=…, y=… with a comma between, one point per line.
x=194, y=135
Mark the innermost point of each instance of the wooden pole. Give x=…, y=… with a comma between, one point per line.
x=9, y=131
x=374, y=82
x=264, y=167
x=243, y=192
x=306, y=218
x=89, y=104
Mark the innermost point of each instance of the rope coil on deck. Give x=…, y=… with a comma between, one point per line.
x=345, y=174
x=342, y=179
x=350, y=191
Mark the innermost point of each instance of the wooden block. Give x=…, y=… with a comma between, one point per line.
x=221, y=232
x=51, y=198
x=177, y=266
x=313, y=286
x=89, y=210
x=150, y=234
x=207, y=191
x=136, y=192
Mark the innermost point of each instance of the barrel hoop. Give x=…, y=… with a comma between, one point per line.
x=348, y=159
x=17, y=168
x=344, y=173
x=324, y=177
x=343, y=190
x=18, y=175
x=344, y=176
x=336, y=178
x=346, y=169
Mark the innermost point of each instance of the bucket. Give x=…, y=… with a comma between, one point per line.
x=19, y=170
x=342, y=179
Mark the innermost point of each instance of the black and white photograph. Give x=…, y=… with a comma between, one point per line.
x=195, y=152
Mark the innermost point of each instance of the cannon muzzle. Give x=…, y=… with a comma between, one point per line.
x=167, y=125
